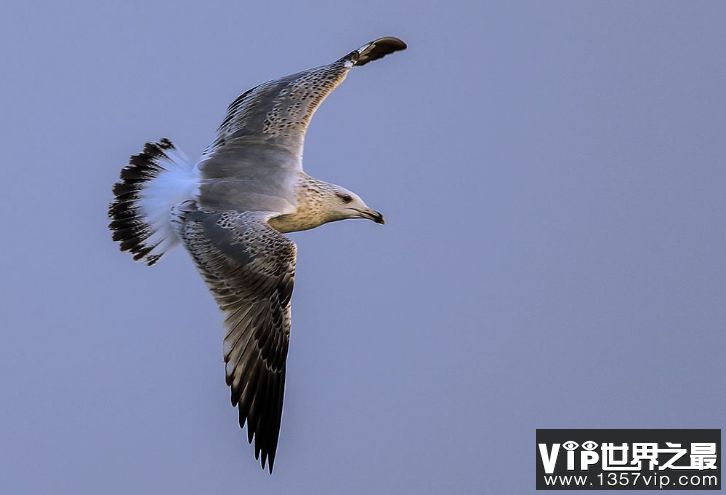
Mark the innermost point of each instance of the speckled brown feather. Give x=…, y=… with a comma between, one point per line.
x=250, y=269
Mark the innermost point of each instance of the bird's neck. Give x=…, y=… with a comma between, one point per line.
x=309, y=194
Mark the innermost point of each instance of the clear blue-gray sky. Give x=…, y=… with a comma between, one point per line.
x=553, y=174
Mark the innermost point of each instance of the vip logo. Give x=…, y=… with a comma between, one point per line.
x=628, y=457
x=587, y=456
x=579, y=459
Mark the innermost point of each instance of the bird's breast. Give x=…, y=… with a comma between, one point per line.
x=303, y=219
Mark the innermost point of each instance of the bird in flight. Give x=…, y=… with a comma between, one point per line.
x=230, y=210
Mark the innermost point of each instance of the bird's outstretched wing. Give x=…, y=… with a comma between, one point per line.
x=278, y=112
x=249, y=268
x=263, y=132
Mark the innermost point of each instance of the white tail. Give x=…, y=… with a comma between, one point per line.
x=156, y=180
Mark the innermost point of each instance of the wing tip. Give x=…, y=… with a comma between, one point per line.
x=376, y=49
x=260, y=411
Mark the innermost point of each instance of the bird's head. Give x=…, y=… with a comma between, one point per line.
x=342, y=204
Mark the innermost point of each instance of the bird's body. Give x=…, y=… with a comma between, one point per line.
x=230, y=210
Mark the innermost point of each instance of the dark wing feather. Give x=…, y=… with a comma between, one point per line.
x=250, y=269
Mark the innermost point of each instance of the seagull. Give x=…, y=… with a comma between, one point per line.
x=230, y=211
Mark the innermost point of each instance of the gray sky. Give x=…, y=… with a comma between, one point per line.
x=552, y=175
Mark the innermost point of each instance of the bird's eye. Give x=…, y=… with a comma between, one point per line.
x=345, y=197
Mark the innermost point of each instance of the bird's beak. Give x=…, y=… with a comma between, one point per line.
x=373, y=215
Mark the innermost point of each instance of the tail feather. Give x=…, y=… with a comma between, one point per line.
x=155, y=181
